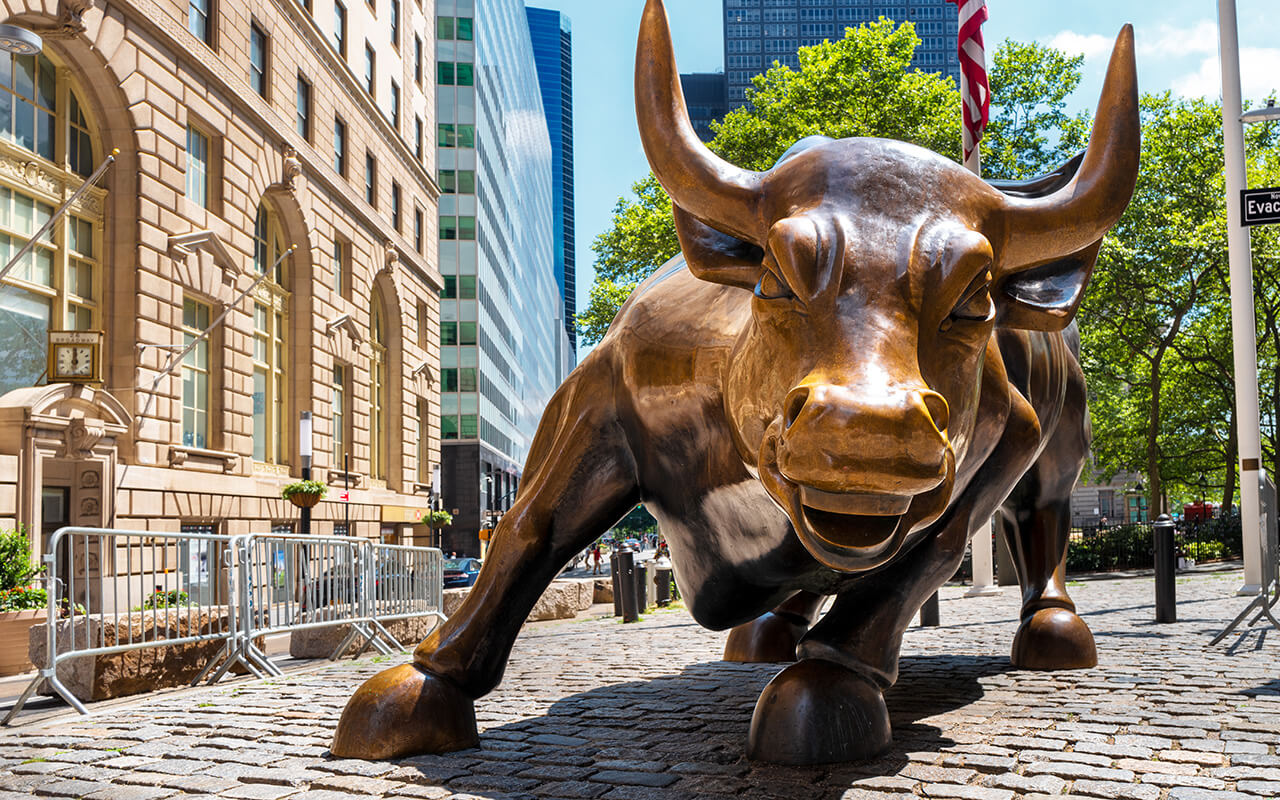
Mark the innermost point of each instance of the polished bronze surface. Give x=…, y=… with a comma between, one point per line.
x=860, y=356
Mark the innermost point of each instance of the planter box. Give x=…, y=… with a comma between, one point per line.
x=15, y=631
x=321, y=642
x=103, y=677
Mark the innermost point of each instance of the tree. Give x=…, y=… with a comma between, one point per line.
x=861, y=85
x=1030, y=132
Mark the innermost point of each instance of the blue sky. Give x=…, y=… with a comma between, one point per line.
x=1177, y=50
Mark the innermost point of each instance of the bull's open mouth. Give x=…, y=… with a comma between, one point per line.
x=848, y=531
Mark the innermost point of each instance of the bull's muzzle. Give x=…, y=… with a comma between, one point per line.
x=857, y=471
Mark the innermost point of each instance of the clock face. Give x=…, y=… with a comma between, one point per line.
x=74, y=361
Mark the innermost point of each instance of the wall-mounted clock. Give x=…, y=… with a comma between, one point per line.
x=75, y=356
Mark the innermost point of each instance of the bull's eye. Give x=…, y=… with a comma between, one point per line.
x=771, y=287
x=975, y=304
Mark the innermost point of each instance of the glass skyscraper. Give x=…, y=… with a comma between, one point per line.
x=502, y=335
x=552, y=37
x=759, y=32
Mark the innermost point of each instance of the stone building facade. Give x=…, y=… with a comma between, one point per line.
x=241, y=130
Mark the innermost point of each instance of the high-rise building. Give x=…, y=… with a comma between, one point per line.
x=266, y=210
x=502, y=333
x=705, y=96
x=552, y=37
x=759, y=32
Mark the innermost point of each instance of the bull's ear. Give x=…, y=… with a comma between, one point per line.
x=1044, y=297
x=717, y=257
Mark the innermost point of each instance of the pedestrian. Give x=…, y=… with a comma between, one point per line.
x=595, y=559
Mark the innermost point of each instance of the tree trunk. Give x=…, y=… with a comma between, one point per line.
x=1233, y=455
x=1155, y=490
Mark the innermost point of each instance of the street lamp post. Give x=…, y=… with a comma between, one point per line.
x=1243, y=326
x=304, y=449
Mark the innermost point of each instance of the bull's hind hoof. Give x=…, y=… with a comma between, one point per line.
x=404, y=711
x=1054, y=638
x=766, y=639
x=818, y=712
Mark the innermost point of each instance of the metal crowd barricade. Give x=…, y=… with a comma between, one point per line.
x=115, y=591
x=407, y=582
x=1262, y=604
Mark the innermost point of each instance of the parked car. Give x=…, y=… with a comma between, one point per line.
x=460, y=572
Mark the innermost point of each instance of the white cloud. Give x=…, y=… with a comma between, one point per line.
x=1259, y=68
x=1090, y=45
x=1199, y=39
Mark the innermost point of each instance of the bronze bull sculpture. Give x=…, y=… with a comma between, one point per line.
x=862, y=355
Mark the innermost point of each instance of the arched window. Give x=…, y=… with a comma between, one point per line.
x=270, y=346
x=377, y=392
x=46, y=136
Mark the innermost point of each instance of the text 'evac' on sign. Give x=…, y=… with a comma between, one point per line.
x=1260, y=206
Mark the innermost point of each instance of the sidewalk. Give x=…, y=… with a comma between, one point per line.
x=595, y=709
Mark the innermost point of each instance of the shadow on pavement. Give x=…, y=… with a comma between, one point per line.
x=697, y=721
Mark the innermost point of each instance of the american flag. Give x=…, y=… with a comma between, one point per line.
x=975, y=92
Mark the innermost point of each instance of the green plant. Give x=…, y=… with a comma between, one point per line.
x=170, y=599
x=304, y=487
x=23, y=598
x=437, y=519
x=16, y=567
x=1205, y=551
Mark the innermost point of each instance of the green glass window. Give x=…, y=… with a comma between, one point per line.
x=447, y=135
x=445, y=73
x=449, y=379
x=466, y=135
x=467, y=228
x=470, y=426
x=464, y=29
x=467, y=379
x=466, y=333
x=466, y=74
x=444, y=28
x=449, y=181
x=466, y=181
x=466, y=287
x=449, y=228
x=450, y=290
x=449, y=332
x=449, y=426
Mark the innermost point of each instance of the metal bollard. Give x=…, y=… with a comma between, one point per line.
x=1166, y=562
x=617, y=583
x=642, y=587
x=627, y=586
x=663, y=580
x=930, y=616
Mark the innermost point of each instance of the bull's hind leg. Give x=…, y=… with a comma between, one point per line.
x=1036, y=522
x=773, y=637
x=579, y=481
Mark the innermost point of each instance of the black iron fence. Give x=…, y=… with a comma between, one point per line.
x=1108, y=548
x=1123, y=547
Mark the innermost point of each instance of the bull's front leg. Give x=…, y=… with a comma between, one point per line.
x=580, y=479
x=829, y=706
x=773, y=637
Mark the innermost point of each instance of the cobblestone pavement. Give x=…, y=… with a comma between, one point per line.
x=595, y=709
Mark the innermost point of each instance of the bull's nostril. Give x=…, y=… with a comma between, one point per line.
x=796, y=400
x=938, y=410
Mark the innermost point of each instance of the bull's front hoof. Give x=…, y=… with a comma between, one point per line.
x=818, y=712
x=766, y=639
x=1054, y=638
x=404, y=711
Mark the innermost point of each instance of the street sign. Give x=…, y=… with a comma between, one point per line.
x=1260, y=206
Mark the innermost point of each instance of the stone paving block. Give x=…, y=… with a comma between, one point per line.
x=131, y=793
x=1026, y=784
x=575, y=789
x=259, y=791
x=57, y=787
x=1116, y=791
x=1190, y=793
x=1073, y=770
x=355, y=784
x=629, y=778
x=966, y=792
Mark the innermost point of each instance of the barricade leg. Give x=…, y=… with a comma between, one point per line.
x=22, y=699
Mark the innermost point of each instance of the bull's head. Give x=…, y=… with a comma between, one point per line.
x=880, y=271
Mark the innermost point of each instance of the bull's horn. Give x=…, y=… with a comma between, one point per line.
x=1080, y=213
x=713, y=190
